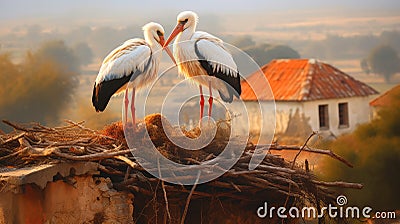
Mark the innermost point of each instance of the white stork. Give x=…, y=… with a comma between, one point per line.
x=135, y=61
x=204, y=55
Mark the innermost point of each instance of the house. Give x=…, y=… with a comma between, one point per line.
x=384, y=100
x=309, y=95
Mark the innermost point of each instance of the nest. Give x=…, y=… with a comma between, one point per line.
x=33, y=144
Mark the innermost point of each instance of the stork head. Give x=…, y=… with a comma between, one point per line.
x=185, y=20
x=155, y=32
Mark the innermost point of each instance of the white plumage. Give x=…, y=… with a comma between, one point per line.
x=135, y=61
x=123, y=59
x=214, y=52
x=203, y=56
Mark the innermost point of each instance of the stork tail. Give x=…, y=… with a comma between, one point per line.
x=102, y=92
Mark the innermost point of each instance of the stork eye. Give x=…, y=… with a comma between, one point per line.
x=159, y=33
x=183, y=22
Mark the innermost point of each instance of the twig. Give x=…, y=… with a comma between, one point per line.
x=91, y=157
x=294, y=162
x=15, y=126
x=14, y=153
x=338, y=184
x=166, y=200
x=189, y=197
x=128, y=170
x=16, y=137
x=308, y=149
x=164, y=191
x=126, y=160
x=79, y=124
x=304, y=145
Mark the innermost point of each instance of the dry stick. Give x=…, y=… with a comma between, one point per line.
x=88, y=129
x=164, y=191
x=16, y=137
x=294, y=161
x=127, y=161
x=72, y=125
x=15, y=126
x=338, y=184
x=308, y=149
x=128, y=170
x=14, y=154
x=188, y=199
x=304, y=145
x=97, y=156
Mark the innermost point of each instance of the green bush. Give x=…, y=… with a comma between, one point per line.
x=374, y=150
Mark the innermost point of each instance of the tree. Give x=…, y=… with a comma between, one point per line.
x=243, y=42
x=38, y=88
x=263, y=53
x=57, y=51
x=281, y=51
x=384, y=60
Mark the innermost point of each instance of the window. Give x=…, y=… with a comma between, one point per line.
x=343, y=115
x=323, y=116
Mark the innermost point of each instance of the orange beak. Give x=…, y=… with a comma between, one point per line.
x=162, y=43
x=178, y=28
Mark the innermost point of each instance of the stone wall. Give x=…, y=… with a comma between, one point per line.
x=86, y=200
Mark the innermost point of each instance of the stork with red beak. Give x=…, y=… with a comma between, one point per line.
x=203, y=56
x=135, y=61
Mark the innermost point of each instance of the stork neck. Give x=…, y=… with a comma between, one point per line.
x=186, y=34
x=150, y=40
x=155, y=46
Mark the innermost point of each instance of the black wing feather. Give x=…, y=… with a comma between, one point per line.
x=103, y=91
x=234, y=87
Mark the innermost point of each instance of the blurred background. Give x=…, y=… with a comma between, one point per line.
x=51, y=51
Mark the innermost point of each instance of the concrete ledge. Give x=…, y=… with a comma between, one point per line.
x=41, y=175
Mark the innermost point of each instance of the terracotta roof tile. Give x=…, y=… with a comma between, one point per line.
x=302, y=80
x=386, y=98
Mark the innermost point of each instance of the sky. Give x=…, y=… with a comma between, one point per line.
x=113, y=11
x=269, y=20
x=18, y=8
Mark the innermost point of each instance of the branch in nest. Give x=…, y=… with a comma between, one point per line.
x=127, y=161
x=307, y=149
x=14, y=153
x=90, y=157
x=338, y=184
x=79, y=125
x=13, y=138
x=188, y=199
x=304, y=145
x=15, y=126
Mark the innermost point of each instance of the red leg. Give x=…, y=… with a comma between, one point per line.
x=210, y=100
x=201, y=103
x=126, y=101
x=133, y=110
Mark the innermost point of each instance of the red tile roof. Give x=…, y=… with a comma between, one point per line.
x=386, y=98
x=302, y=80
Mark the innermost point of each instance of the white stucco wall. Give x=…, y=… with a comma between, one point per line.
x=254, y=117
x=284, y=111
x=358, y=108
